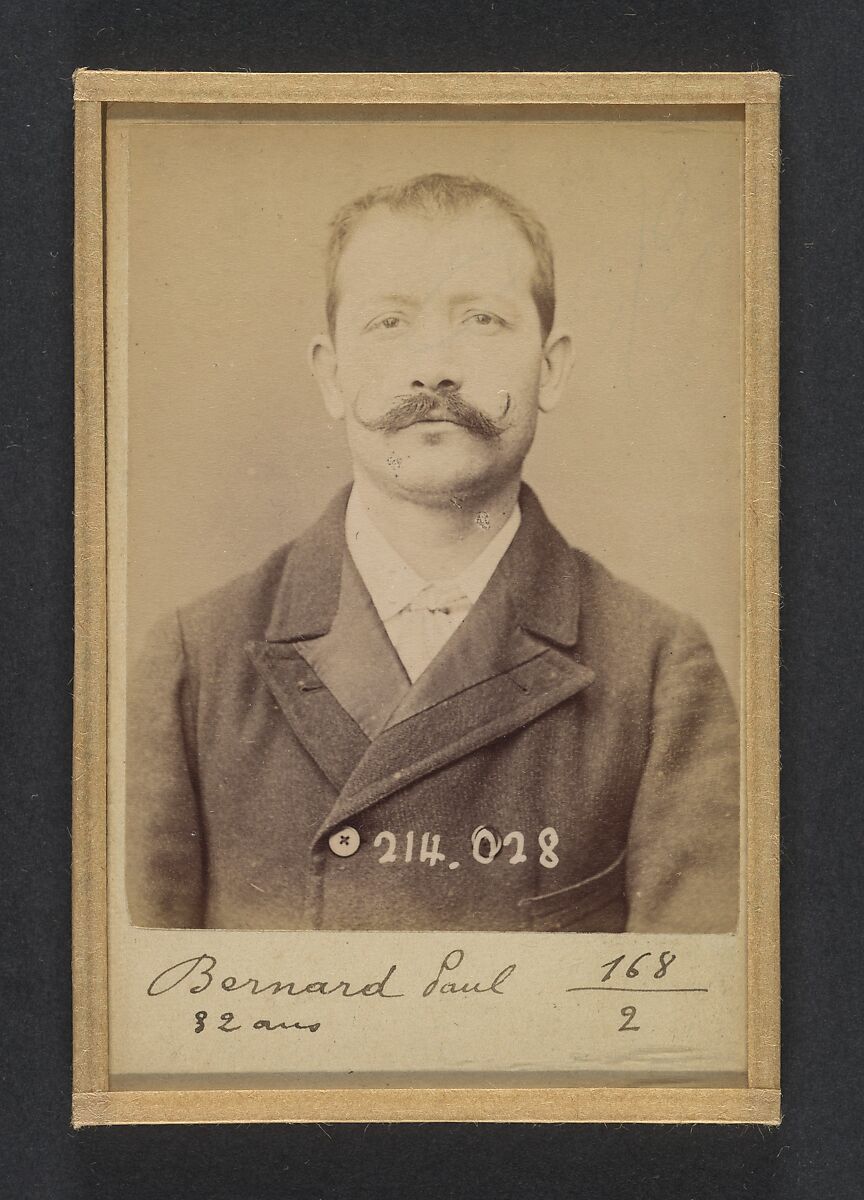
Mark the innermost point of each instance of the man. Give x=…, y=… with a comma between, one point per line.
x=429, y=712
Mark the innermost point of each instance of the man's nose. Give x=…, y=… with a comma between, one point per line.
x=435, y=367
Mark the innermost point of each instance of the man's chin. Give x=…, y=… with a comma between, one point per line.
x=432, y=480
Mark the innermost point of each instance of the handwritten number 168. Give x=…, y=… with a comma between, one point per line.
x=666, y=960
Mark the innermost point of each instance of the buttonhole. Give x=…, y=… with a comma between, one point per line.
x=309, y=685
x=523, y=687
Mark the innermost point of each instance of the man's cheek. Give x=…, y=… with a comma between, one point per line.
x=496, y=402
x=368, y=388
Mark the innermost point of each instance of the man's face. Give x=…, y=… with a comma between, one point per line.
x=437, y=364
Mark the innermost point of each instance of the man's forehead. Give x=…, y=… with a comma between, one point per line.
x=479, y=240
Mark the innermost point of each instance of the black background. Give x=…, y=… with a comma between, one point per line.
x=816, y=1152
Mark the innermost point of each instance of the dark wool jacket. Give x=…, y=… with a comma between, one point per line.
x=573, y=748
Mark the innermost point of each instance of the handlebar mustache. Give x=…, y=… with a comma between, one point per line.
x=446, y=404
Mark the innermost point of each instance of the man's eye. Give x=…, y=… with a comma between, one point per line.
x=484, y=320
x=391, y=321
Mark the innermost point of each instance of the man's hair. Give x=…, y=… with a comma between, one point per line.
x=449, y=194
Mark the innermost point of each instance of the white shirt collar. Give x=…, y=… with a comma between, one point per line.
x=392, y=583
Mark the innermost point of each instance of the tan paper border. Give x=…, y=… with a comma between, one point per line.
x=93, y=1103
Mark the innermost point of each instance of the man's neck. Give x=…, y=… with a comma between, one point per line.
x=438, y=542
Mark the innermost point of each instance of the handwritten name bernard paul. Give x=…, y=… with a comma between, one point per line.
x=202, y=973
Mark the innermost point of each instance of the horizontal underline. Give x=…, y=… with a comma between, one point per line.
x=601, y=988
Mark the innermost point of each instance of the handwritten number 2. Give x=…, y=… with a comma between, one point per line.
x=628, y=1012
x=518, y=839
x=389, y=854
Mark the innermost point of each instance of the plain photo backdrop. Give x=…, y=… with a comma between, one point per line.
x=221, y=289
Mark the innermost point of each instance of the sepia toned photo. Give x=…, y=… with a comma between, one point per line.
x=428, y=579
x=430, y=662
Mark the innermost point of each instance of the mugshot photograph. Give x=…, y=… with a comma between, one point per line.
x=429, y=711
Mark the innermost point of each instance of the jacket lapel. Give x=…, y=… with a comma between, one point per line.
x=311, y=658
x=356, y=660
x=459, y=726
x=511, y=660
x=322, y=726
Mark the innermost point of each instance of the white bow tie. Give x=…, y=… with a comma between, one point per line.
x=424, y=626
x=443, y=598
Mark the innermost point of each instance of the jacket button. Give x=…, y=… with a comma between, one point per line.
x=345, y=841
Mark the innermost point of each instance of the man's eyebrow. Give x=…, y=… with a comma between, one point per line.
x=393, y=298
x=473, y=297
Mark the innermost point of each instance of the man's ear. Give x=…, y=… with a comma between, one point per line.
x=322, y=360
x=557, y=363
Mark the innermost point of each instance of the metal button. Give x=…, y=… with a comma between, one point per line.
x=345, y=841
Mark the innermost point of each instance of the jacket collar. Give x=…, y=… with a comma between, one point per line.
x=308, y=597
x=542, y=576
x=540, y=571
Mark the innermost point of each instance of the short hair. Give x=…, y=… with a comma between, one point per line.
x=450, y=194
